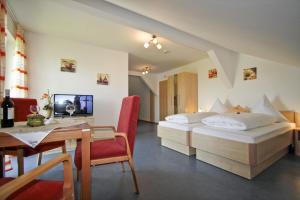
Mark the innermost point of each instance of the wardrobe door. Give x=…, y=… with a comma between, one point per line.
x=187, y=91
x=170, y=98
x=182, y=92
x=163, y=99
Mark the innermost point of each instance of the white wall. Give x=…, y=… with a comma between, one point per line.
x=278, y=81
x=44, y=54
x=138, y=87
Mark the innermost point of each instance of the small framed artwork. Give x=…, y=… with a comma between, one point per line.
x=212, y=73
x=102, y=79
x=250, y=73
x=68, y=65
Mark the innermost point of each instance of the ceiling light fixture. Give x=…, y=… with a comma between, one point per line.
x=154, y=42
x=158, y=46
x=146, y=70
x=146, y=45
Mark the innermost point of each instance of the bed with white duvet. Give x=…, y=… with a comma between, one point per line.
x=244, y=144
x=251, y=136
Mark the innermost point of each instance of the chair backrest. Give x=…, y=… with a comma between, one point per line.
x=128, y=118
x=22, y=108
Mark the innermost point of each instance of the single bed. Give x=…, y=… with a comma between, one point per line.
x=245, y=153
x=177, y=136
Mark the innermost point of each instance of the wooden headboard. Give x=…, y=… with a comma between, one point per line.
x=297, y=119
x=293, y=117
x=290, y=115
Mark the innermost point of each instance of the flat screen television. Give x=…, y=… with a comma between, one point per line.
x=83, y=104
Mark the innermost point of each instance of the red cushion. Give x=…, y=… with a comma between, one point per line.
x=22, y=108
x=102, y=149
x=37, y=189
x=128, y=118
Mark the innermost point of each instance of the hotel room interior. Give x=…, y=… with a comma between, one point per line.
x=161, y=99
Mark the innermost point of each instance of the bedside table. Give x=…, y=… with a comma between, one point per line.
x=297, y=141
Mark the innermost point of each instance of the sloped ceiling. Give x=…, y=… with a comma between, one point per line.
x=60, y=18
x=268, y=29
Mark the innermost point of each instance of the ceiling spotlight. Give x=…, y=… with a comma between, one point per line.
x=158, y=46
x=146, y=45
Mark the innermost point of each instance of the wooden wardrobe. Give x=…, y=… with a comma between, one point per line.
x=178, y=94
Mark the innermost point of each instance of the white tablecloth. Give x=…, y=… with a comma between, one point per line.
x=32, y=136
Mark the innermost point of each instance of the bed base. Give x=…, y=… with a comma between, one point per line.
x=178, y=147
x=243, y=170
x=177, y=140
x=244, y=159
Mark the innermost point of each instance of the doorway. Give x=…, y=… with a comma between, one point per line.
x=138, y=87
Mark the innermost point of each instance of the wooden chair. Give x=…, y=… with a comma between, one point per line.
x=120, y=148
x=22, y=109
x=27, y=187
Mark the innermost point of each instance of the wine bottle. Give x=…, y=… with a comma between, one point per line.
x=7, y=111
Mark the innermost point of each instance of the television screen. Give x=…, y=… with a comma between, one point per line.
x=82, y=104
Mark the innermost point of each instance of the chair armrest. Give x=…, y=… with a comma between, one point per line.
x=121, y=135
x=95, y=134
x=104, y=127
x=68, y=188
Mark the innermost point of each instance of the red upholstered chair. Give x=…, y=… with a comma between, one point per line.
x=121, y=147
x=27, y=187
x=22, y=109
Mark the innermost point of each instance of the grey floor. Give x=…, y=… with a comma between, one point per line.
x=166, y=174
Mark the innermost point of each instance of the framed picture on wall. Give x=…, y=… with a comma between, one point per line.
x=102, y=79
x=212, y=73
x=68, y=65
x=250, y=73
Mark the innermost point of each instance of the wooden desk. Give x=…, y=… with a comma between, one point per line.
x=82, y=133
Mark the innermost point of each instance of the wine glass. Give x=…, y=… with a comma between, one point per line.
x=70, y=108
x=34, y=109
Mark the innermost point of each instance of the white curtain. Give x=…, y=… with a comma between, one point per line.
x=2, y=46
x=20, y=74
x=3, y=22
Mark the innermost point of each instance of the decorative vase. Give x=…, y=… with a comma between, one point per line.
x=48, y=113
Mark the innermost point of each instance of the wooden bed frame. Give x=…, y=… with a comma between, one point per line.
x=175, y=139
x=244, y=159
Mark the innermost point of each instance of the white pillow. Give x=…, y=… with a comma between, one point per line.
x=265, y=107
x=188, y=118
x=218, y=107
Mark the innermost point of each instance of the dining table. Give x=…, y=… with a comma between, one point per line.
x=79, y=132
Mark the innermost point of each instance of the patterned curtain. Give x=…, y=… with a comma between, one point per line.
x=2, y=45
x=20, y=87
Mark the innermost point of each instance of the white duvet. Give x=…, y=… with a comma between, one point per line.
x=189, y=118
x=243, y=121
